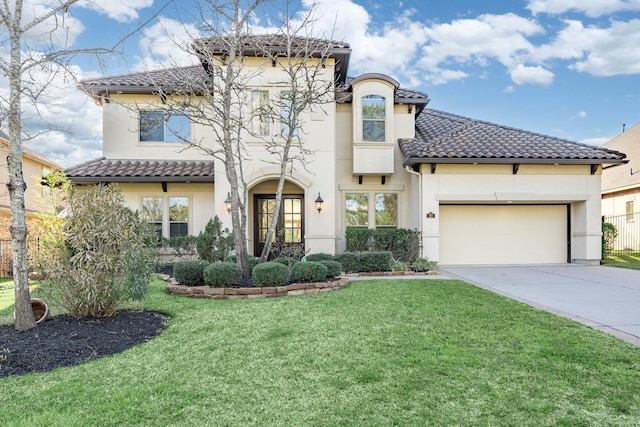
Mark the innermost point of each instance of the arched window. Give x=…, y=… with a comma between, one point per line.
x=373, y=118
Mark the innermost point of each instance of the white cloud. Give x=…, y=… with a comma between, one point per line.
x=120, y=10
x=580, y=115
x=591, y=8
x=522, y=74
x=166, y=43
x=58, y=33
x=595, y=141
x=509, y=89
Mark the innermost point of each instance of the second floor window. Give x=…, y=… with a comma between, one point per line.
x=158, y=126
x=288, y=116
x=373, y=118
x=260, y=112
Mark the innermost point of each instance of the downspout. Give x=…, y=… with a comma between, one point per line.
x=419, y=175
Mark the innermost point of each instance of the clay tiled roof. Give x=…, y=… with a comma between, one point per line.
x=104, y=170
x=402, y=95
x=448, y=138
x=169, y=80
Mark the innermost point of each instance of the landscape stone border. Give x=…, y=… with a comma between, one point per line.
x=294, y=289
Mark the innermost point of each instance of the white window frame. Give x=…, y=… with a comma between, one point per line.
x=175, y=133
x=165, y=220
x=371, y=208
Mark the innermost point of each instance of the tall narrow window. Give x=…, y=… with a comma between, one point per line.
x=629, y=210
x=178, y=216
x=288, y=115
x=373, y=118
x=386, y=205
x=157, y=126
x=152, y=208
x=260, y=112
x=357, y=209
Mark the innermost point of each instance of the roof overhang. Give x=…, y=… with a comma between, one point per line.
x=508, y=161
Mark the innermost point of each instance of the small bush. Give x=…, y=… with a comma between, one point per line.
x=334, y=268
x=253, y=260
x=214, y=242
x=399, y=266
x=609, y=234
x=320, y=257
x=374, y=261
x=422, y=264
x=222, y=274
x=349, y=261
x=310, y=271
x=270, y=274
x=287, y=262
x=190, y=272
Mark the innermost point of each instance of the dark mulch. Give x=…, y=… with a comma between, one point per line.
x=65, y=341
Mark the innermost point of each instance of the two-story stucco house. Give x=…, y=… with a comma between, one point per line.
x=478, y=192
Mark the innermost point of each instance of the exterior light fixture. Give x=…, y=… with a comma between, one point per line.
x=319, y=202
x=228, y=202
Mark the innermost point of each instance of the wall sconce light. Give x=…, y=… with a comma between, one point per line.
x=319, y=202
x=228, y=202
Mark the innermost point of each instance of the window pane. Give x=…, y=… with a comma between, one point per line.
x=386, y=209
x=151, y=126
x=178, y=229
x=357, y=209
x=288, y=117
x=152, y=209
x=178, y=129
x=178, y=209
x=373, y=131
x=260, y=110
x=629, y=210
x=373, y=107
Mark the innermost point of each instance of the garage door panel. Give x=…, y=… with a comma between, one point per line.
x=491, y=234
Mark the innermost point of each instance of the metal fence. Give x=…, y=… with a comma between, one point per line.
x=626, y=237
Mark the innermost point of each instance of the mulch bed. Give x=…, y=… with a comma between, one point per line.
x=64, y=341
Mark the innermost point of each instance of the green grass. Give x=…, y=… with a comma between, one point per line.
x=378, y=353
x=631, y=260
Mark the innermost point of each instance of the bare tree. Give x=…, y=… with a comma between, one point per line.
x=218, y=93
x=31, y=44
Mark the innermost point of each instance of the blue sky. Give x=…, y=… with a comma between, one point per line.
x=567, y=68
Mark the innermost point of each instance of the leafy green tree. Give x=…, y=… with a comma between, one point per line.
x=214, y=243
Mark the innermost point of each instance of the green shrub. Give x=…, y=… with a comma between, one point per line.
x=320, y=257
x=190, y=272
x=97, y=257
x=349, y=261
x=222, y=274
x=214, y=242
x=374, y=261
x=399, y=265
x=270, y=274
x=609, y=234
x=288, y=262
x=403, y=243
x=310, y=271
x=334, y=268
x=422, y=264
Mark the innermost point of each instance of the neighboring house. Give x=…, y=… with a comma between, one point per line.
x=621, y=190
x=36, y=199
x=479, y=193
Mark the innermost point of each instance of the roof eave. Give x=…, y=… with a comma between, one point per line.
x=500, y=160
x=139, y=179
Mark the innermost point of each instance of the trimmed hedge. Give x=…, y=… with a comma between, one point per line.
x=349, y=261
x=334, y=268
x=190, y=272
x=270, y=274
x=403, y=243
x=320, y=257
x=365, y=262
x=222, y=274
x=310, y=271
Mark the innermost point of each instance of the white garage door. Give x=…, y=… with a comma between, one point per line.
x=511, y=234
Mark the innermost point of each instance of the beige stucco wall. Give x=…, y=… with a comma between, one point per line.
x=621, y=183
x=496, y=184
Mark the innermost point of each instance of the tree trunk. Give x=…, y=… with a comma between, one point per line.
x=16, y=184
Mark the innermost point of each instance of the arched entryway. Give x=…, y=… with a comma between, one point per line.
x=290, y=226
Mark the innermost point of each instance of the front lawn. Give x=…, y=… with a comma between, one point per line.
x=378, y=353
x=630, y=260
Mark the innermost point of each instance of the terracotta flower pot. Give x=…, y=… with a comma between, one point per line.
x=40, y=310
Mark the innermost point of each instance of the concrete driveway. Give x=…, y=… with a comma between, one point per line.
x=605, y=298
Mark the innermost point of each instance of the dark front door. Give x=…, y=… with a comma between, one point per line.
x=289, y=229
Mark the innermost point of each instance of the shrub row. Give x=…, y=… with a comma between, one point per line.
x=364, y=262
x=403, y=243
